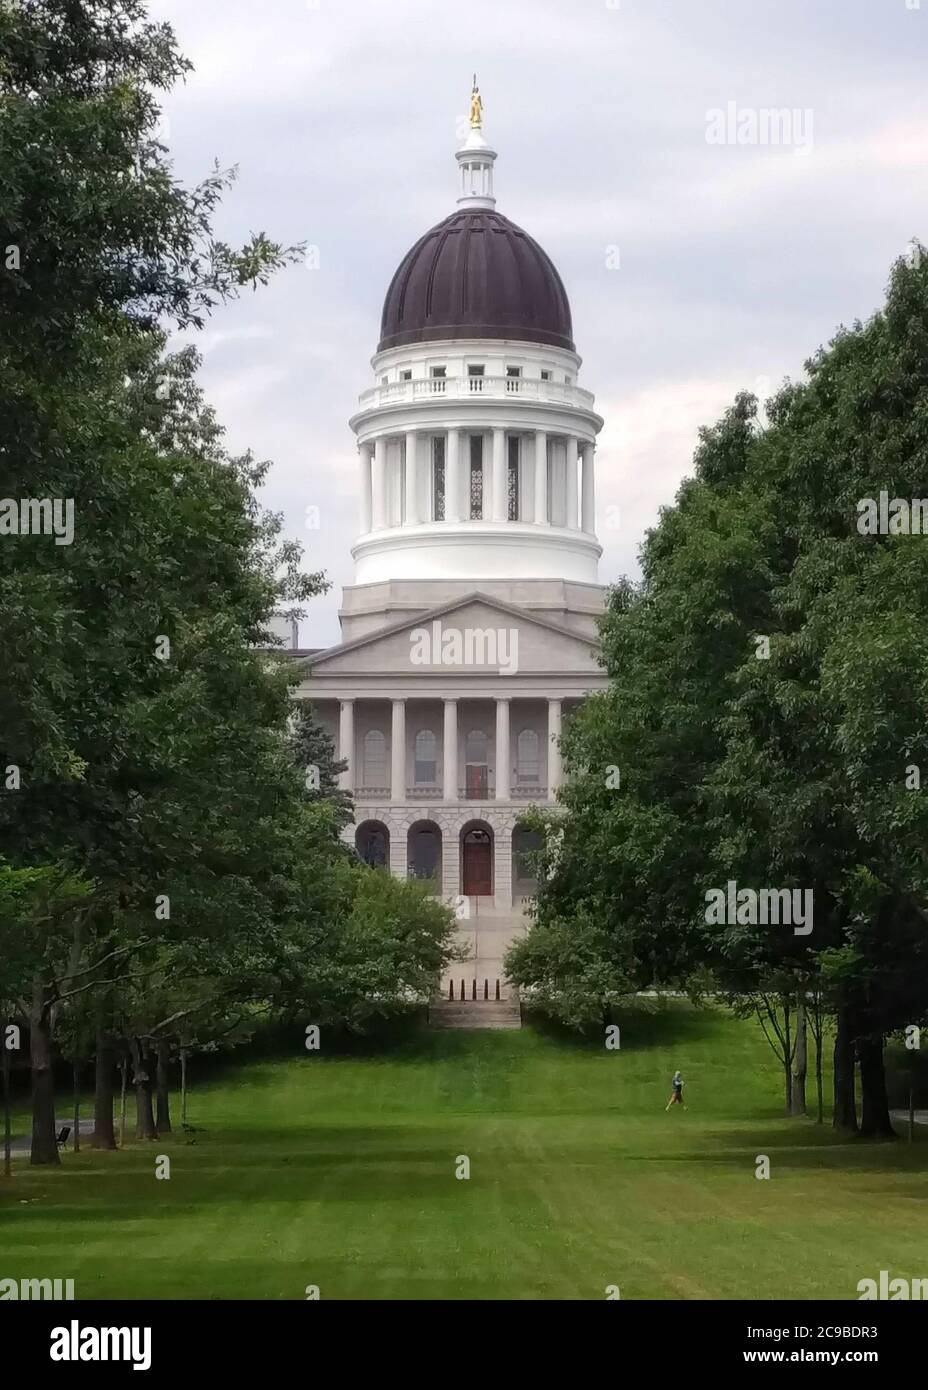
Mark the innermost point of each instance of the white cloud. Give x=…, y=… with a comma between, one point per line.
x=736, y=262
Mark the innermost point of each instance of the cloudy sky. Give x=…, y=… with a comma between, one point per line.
x=735, y=260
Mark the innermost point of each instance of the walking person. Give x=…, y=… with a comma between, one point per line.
x=676, y=1095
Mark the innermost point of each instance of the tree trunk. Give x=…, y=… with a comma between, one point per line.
x=141, y=1080
x=44, y=1147
x=787, y=1058
x=77, y=1105
x=162, y=1088
x=800, y=1062
x=874, y=1118
x=104, y=1136
x=845, y=1111
x=819, y=1084
x=123, y=1070
x=7, y=1115
x=183, y=1085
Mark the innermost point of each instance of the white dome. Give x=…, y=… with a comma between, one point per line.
x=477, y=446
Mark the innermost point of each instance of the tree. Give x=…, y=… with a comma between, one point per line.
x=41, y=913
x=634, y=846
x=133, y=648
x=765, y=720
x=313, y=751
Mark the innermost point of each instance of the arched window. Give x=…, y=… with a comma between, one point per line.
x=526, y=845
x=375, y=758
x=426, y=769
x=528, y=756
x=423, y=852
x=372, y=841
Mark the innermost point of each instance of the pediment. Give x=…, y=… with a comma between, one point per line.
x=476, y=634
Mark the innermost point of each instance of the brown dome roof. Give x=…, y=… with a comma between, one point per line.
x=476, y=275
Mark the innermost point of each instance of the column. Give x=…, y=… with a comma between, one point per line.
x=398, y=752
x=399, y=851
x=502, y=884
x=588, y=490
x=453, y=476
x=412, y=479
x=450, y=747
x=502, y=749
x=379, y=484
x=554, y=748
x=500, y=510
x=366, y=455
x=541, y=478
x=571, y=495
x=346, y=743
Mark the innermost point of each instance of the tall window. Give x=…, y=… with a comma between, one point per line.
x=476, y=772
x=375, y=758
x=426, y=758
x=475, y=747
x=527, y=745
x=476, y=477
x=438, y=478
x=513, y=477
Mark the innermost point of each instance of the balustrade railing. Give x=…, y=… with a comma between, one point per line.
x=554, y=392
x=476, y=792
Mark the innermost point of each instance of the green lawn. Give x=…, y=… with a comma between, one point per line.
x=341, y=1173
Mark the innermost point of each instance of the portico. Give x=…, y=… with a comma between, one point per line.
x=471, y=734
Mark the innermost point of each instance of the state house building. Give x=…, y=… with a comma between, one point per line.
x=470, y=629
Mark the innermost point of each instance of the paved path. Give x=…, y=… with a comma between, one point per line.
x=22, y=1147
x=901, y=1117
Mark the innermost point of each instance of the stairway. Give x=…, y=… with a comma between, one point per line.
x=475, y=1013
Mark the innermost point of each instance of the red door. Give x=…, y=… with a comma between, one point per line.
x=478, y=865
x=475, y=781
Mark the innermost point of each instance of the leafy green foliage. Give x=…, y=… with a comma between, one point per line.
x=787, y=762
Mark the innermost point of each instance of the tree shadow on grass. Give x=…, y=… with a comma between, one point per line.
x=806, y=1147
x=663, y=1022
x=359, y=1169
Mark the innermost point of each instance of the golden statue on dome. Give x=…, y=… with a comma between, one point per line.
x=476, y=106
